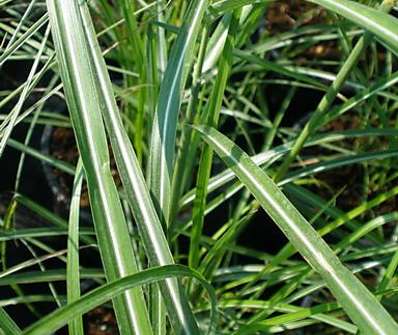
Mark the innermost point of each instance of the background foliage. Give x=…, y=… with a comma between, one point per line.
x=187, y=167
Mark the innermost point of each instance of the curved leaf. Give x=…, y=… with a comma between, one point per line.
x=60, y=317
x=384, y=26
x=362, y=307
x=269, y=156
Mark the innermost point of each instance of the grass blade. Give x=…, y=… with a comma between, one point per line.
x=49, y=276
x=135, y=46
x=223, y=6
x=7, y=325
x=268, y=156
x=138, y=196
x=15, y=234
x=165, y=121
x=23, y=38
x=384, y=26
x=328, y=99
x=5, y=132
x=106, y=292
x=72, y=265
x=212, y=115
x=84, y=105
x=362, y=307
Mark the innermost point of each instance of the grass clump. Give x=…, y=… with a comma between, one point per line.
x=238, y=157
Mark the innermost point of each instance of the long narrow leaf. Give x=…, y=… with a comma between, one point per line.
x=57, y=319
x=85, y=106
x=206, y=158
x=384, y=26
x=7, y=325
x=165, y=121
x=138, y=196
x=72, y=266
x=269, y=156
x=362, y=307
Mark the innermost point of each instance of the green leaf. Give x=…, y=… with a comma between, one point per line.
x=8, y=125
x=23, y=38
x=39, y=232
x=30, y=277
x=361, y=306
x=47, y=215
x=326, y=102
x=85, y=108
x=61, y=165
x=164, y=126
x=138, y=197
x=212, y=114
x=384, y=26
x=223, y=6
x=269, y=156
x=60, y=317
x=7, y=325
x=292, y=310
x=72, y=265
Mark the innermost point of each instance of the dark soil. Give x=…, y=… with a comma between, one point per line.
x=101, y=321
